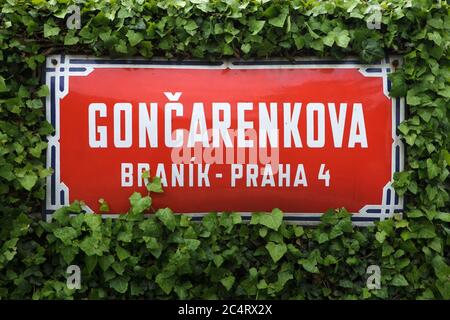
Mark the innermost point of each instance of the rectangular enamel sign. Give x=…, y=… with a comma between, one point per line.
x=303, y=136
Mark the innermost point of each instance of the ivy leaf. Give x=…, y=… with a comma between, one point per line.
x=263, y=232
x=192, y=244
x=443, y=216
x=139, y=204
x=34, y=103
x=283, y=278
x=166, y=281
x=122, y=253
x=262, y=284
x=191, y=27
x=28, y=181
x=441, y=268
x=118, y=267
x=218, y=260
x=228, y=282
x=155, y=185
x=68, y=254
x=120, y=284
x=380, y=236
x=167, y=218
x=432, y=169
x=299, y=231
x=412, y=99
x=50, y=31
x=371, y=51
x=317, y=45
x=3, y=85
x=246, y=47
x=322, y=237
x=309, y=265
x=153, y=245
x=66, y=234
x=329, y=259
x=299, y=41
x=276, y=251
x=328, y=40
x=279, y=20
x=436, y=23
x=271, y=220
x=93, y=221
x=105, y=262
x=398, y=88
x=399, y=281
x=446, y=156
x=137, y=289
x=104, y=207
x=93, y=245
x=134, y=37
x=443, y=285
x=70, y=40
x=255, y=26
x=6, y=172
x=342, y=39
x=91, y=262
x=8, y=250
x=345, y=283
x=445, y=92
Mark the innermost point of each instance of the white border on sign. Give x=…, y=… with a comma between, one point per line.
x=59, y=69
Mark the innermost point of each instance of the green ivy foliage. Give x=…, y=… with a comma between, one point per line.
x=169, y=256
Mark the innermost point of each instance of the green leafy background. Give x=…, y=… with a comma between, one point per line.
x=169, y=256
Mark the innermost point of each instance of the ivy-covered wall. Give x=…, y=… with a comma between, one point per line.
x=168, y=256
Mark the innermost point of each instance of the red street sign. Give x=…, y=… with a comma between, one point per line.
x=303, y=136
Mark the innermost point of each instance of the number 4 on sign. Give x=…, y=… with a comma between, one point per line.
x=324, y=175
